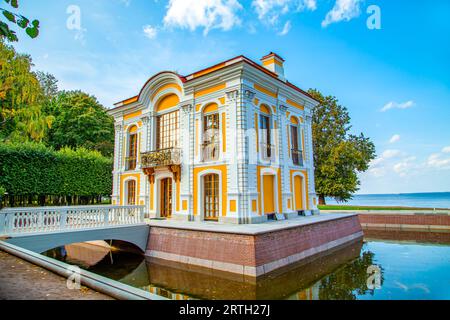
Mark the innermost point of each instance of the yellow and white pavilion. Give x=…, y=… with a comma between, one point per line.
x=231, y=143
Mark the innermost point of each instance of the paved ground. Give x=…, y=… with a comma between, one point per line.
x=21, y=280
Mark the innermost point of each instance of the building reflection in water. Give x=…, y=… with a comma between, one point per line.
x=338, y=274
x=307, y=281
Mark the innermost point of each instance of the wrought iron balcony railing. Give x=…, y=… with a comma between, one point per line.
x=297, y=157
x=210, y=151
x=267, y=151
x=161, y=158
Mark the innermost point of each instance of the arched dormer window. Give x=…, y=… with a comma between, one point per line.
x=131, y=159
x=265, y=126
x=211, y=136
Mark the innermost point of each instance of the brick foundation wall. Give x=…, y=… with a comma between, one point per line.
x=398, y=220
x=408, y=235
x=282, y=244
x=251, y=254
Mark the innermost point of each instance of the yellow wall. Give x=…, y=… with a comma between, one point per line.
x=266, y=91
x=204, y=92
x=295, y=104
x=197, y=181
x=212, y=107
x=132, y=115
x=168, y=102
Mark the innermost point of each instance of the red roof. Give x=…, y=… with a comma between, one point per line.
x=239, y=59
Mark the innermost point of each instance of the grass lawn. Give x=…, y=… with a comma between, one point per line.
x=345, y=207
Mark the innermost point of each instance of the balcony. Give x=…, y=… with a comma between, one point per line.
x=297, y=157
x=267, y=152
x=210, y=151
x=161, y=158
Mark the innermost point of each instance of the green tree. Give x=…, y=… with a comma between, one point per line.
x=21, y=96
x=338, y=155
x=30, y=27
x=49, y=84
x=80, y=121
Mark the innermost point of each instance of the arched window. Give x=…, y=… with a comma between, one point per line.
x=211, y=137
x=211, y=197
x=168, y=126
x=131, y=192
x=266, y=136
x=131, y=159
x=297, y=157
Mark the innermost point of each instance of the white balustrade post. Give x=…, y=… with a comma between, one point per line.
x=106, y=216
x=63, y=219
x=2, y=223
x=142, y=214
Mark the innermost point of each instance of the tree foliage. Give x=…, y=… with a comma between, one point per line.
x=80, y=121
x=21, y=96
x=33, y=109
x=49, y=84
x=338, y=155
x=32, y=169
x=30, y=27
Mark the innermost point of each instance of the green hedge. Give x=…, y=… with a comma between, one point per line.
x=34, y=170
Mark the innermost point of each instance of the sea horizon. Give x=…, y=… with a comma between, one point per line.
x=438, y=200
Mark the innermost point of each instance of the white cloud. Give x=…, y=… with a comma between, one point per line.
x=395, y=105
x=308, y=5
x=395, y=138
x=150, y=32
x=446, y=149
x=206, y=14
x=269, y=11
x=380, y=166
x=389, y=154
x=343, y=10
x=404, y=167
x=286, y=29
x=439, y=161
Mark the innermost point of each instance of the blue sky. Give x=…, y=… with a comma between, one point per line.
x=394, y=81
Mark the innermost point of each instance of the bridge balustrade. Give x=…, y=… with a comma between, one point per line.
x=50, y=219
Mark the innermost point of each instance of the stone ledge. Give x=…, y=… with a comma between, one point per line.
x=248, y=229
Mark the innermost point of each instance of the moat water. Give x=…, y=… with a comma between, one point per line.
x=386, y=265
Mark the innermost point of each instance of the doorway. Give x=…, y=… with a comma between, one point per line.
x=211, y=197
x=166, y=198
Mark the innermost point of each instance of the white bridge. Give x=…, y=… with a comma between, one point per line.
x=42, y=229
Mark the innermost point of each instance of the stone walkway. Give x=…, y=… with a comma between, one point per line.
x=21, y=280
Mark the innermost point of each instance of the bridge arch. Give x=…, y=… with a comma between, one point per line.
x=42, y=242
